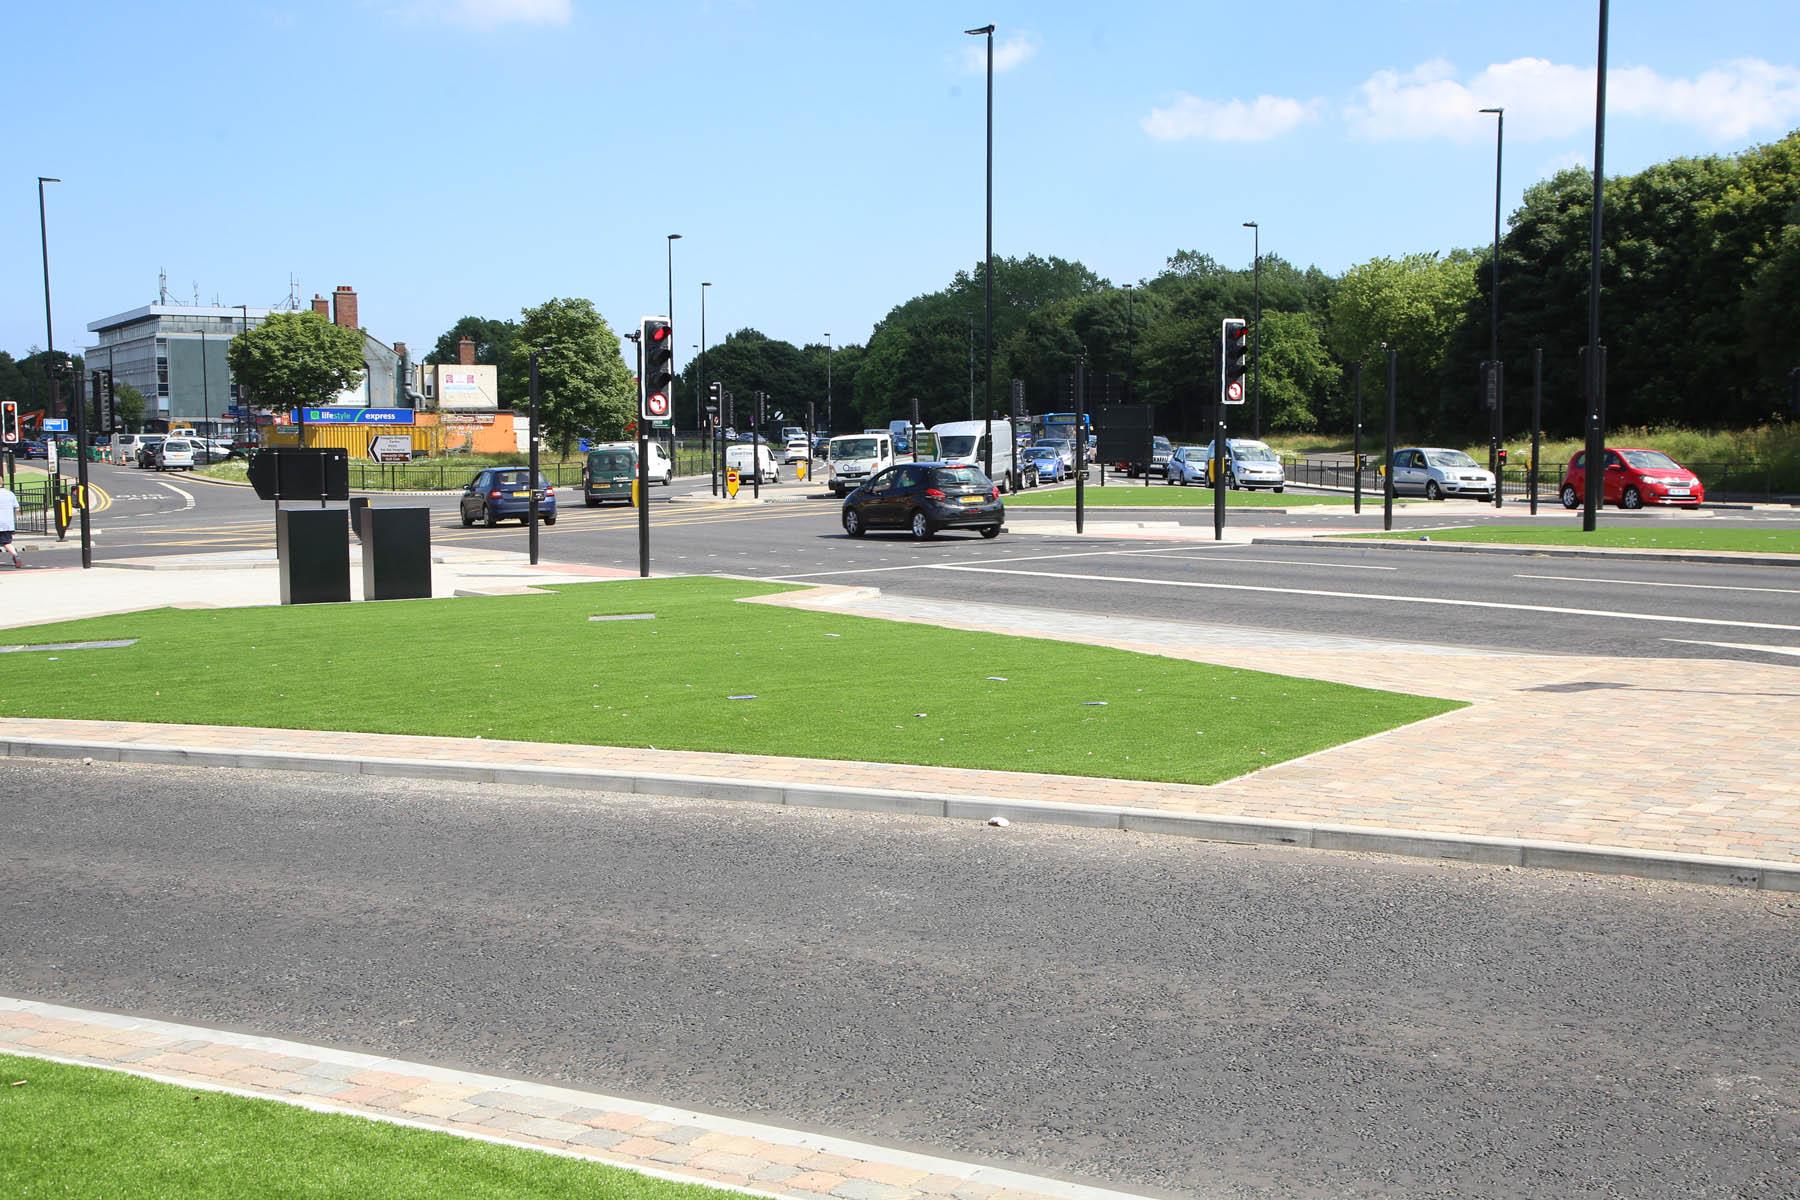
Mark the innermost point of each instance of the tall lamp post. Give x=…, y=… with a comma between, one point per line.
x=80, y=409
x=828, y=353
x=1256, y=347
x=987, y=387
x=673, y=238
x=1497, y=422
x=1130, y=341
x=1596, y=370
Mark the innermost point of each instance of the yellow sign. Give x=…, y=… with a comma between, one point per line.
x=800, y=470
x=634, y=493
x=731, y=482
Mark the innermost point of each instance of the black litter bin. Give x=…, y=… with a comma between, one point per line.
x=313, y=546
x=396, y=553
x=357, y=505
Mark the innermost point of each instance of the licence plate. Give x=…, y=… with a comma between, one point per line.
x=520, y=493
x=968, y=499
x=1678, y=491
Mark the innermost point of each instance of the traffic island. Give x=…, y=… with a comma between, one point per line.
x=708, y=674
x=1639, y=535
x=1131, y=493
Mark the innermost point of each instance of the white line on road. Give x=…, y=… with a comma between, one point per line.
x=1709, y=587
x=1285, y=562
x=1287, y=591
x=1793, y=651
x=919, y=566
x=187, y=496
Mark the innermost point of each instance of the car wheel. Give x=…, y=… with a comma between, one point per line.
x=488, y=518
x=1631, y=499
x=666, y=479
x=1279, y=489
x=1231, y=483
x=853, y=523
x=921, y=527
x=593, y=503
x=1433, y=491
x=1569, y=498
x=550, y=520
x=837, y=491
x=990, y=531
x=467, y=520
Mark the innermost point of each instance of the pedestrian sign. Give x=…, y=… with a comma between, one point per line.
x=732, y=482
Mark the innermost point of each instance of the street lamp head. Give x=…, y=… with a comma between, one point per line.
x=674, y=237
x=1251, y=225
x=706, y=284
x=47, y=179
x=1496, y=111
x=985, y=29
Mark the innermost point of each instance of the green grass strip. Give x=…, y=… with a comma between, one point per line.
x=1133, y=494
x=70, y=1131
x=1636, y=537
x=825, y=685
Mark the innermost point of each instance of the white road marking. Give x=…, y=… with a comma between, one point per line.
x=1011, y=558
x=1286, y=562
x=1286, y=591
x=187, y=496
x=1708, y=587
x=1792, y=651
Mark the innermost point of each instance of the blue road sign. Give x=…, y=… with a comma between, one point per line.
x=56, y=424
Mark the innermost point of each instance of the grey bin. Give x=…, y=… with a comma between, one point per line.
x=313, y=549
x=396, y=553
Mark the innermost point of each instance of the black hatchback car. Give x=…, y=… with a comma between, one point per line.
x=500, y=493
x=923, y=498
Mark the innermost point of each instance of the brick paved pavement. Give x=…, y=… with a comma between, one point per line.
x=671, y=1143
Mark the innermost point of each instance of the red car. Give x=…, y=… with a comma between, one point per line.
x=1635, y=478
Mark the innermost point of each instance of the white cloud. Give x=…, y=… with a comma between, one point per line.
x=1009, y=52
x=1554, y=100
x=491, y=14
x=1261, y=119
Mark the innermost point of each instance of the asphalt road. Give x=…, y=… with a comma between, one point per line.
x=1569, y=606
x=1156, y=1013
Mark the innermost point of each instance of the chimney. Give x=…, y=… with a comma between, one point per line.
x=465, y=352
x=400, y=349
x=322, y=306
x=343, y=307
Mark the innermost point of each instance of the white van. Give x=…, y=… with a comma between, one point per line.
x=965, y=442
x=738, y=458
x=855, y=457
x=661, y=469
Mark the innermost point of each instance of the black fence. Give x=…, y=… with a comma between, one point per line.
x=1723, y=481
x=34, y=507
x=449, y=474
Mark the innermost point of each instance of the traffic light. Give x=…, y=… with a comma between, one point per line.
x=659, y=369
x=9, y=422
x=1233, y=349
x=715, y=399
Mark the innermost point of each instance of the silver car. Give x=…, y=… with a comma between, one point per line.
x=1436, y=473
x=1248, y=465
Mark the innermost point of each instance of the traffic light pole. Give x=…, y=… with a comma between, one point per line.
x=1356, y=466
x=531, y=434
x=81, y=475
x=1081, y=440
x=1537, y=419
x=643, y=480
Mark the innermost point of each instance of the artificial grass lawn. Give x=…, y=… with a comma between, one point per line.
x=80, y=1131
x=826, y=685
x=1133, y=494
x=1740, y=538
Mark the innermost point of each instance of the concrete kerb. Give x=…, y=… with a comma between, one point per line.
x=1512, y=852
x=1337, y=541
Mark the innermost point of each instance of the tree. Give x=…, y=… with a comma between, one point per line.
x=493, y=345
x=128, y=406
x=1413, y=304
x=584, y=387
x=296, y=359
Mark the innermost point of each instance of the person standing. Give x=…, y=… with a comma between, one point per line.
x=9, y=522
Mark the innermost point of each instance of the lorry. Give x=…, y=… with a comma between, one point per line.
x=854, y=457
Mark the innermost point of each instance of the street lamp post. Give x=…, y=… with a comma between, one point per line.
x=673, y=238
x=1497, y=422
x=828, y=354
x=1130, y=341
x=987, y=387
x=1596, y=430
x=701, y=389
x=81, y=465
x=1256, y=347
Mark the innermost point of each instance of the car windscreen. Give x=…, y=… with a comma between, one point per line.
x=958, y=445
x=1654, y=460
x=1449, y=458
x=960, y=477
x=514, y=479
x=856, y=448
x=1255, y=453
x=1162, y=445
x=611, y=462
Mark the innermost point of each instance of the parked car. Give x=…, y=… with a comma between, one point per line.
x=608, y=474
x=1634, y=478
x=923, y=498
x=1436, y=473
x=145, y=450
x=1250, y=465
x=739, y=457
x=498, y=493
x=33, y=448
x=855, y=458
x=214, y=450
x=1048, y=463
x=1188, y=465
x=173, y=454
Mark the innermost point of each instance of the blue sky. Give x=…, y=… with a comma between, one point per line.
x=822, y=161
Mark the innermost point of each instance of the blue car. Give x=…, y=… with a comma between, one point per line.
x=499, y=493
x=1049, y=464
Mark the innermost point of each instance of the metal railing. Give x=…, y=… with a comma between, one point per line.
x=1723, y=481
